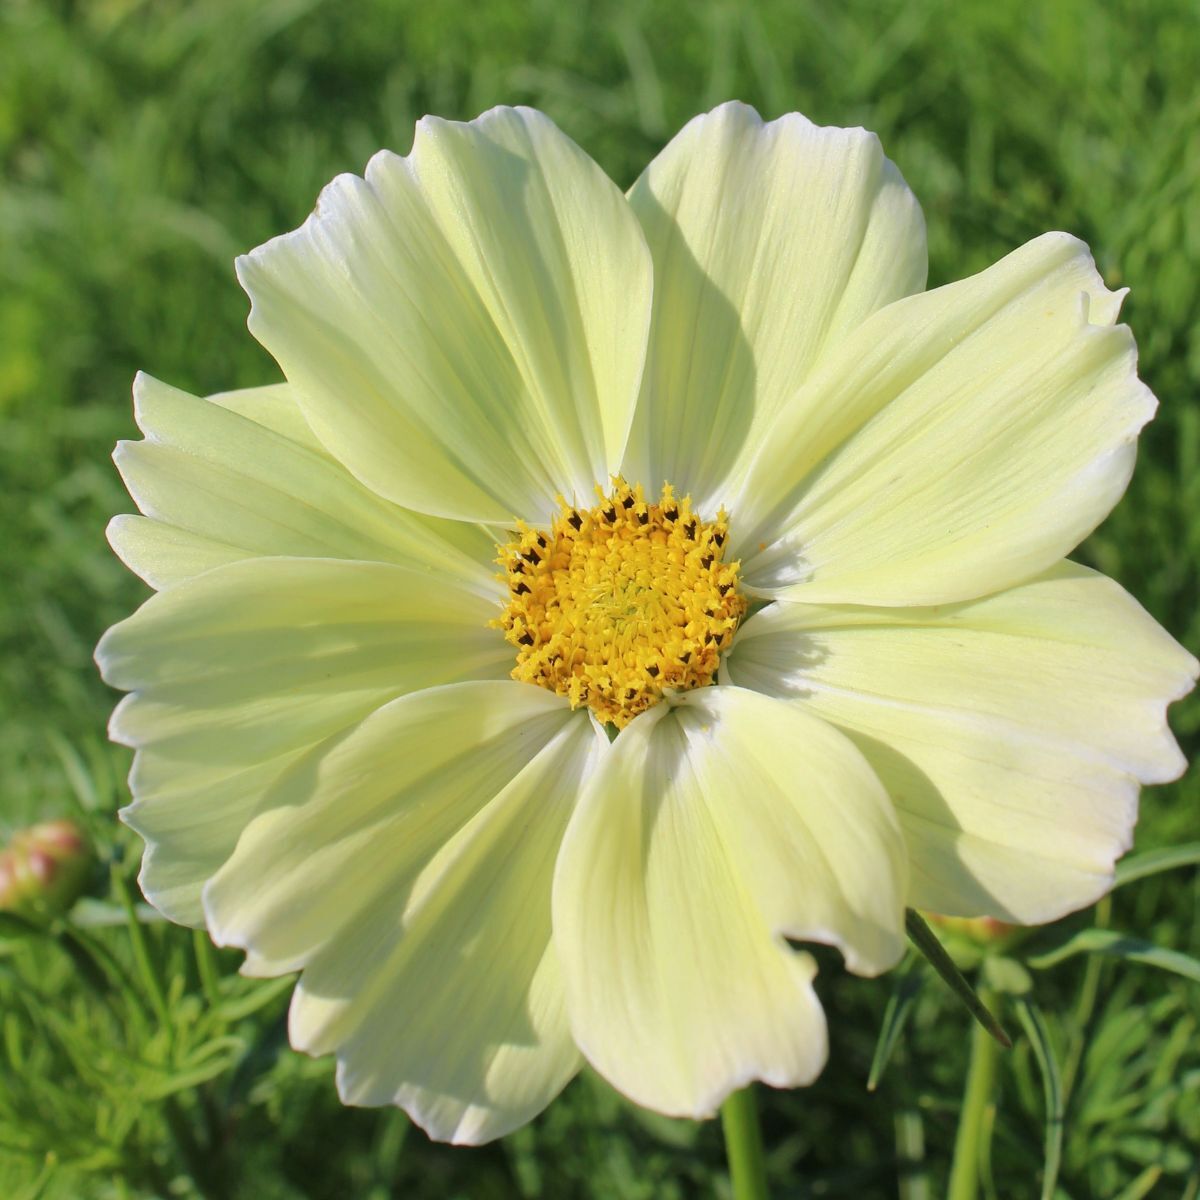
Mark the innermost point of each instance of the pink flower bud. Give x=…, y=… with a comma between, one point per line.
x=8, y=879
x=45, y=868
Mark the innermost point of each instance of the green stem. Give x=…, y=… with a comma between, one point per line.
x=972, y=1124
x=743, y=1146
x=141, y=952
x=1088, y=993
x=206, y=966
x=910, y=1155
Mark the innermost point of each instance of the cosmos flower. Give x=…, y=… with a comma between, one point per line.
x=782, y=639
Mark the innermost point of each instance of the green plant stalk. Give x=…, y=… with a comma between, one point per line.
x=1086, y=1004
x=206, y=966
x=972, y=1124
x=743, y=1146
x=141, y=952
x=910, y=1154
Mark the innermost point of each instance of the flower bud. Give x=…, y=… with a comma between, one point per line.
x=970, y=939
x=983, y=931
x=44, y=868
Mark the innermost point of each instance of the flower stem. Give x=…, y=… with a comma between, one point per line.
x=141, y=952
x=972, y=1124
x=743, y=1146
x=206, y=966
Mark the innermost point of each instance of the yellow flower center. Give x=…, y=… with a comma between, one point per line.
x=617, y=604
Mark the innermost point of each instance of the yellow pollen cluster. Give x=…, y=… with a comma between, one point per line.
x=616, y=604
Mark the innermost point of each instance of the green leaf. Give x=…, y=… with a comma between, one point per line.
x=90, y=913
x=1151, y=862
x=94, y=963
x=99, y=968
x=1003, y=974
x=904, y=993
x=186, y=1080
x=1118, y=945
x=670, y=1131
x=1034, y=1025
x=926, y=941
x=912, y=1177
x=36, y=1188
x=12, y=925
x=76, y=772
x=1143, y=1184
x=243, y=1006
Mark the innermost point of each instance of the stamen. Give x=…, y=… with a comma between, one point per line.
x=614, y=605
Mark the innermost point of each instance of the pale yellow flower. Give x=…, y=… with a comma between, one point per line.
x=364, y=755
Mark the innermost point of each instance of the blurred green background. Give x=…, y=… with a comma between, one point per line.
x=143, y=144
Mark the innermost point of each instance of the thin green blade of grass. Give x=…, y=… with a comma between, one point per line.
x=1118, y=945
x=905, y=989
x=1151, y=862
x=926, y=941
x=1034, y=1025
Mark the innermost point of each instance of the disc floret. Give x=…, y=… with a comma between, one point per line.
x=615, y=605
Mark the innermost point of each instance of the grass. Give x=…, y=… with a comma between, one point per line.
x=146, y=142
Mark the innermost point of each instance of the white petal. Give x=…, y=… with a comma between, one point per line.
x=273, y=406
x=957, y=443
x=240, y=475
x=163, y=554
x=238, y=672
x=1011, y=732
x=466, y=326
x=712, y=831
x=408, y=871
x=770, y=243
